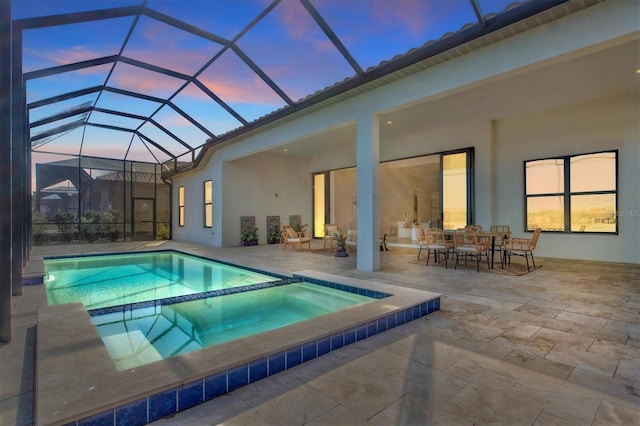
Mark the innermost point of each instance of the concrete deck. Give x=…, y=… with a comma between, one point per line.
x=560, y=345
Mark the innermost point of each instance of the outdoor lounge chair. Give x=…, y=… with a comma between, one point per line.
x=291, y=236
x=331, y=232
x=352, y=240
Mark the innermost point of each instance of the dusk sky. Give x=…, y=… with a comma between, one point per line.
x=287, y=45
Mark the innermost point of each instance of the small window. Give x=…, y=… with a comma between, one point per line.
x=576, y=193
x=181, y=206
x=208, y=204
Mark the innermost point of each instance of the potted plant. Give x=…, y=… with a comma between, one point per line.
x=299, y=228
x=163, y=232
x=274, y=235
x=249, y=237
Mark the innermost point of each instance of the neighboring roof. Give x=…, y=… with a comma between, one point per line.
x=136, y=177
x=54, y=197
x=159, y=80
x=64, y=186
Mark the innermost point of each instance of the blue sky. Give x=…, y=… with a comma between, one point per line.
x=287, y=45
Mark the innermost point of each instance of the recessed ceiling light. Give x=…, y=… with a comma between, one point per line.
x=286, y=150
x=638, y=71
x=389, y=122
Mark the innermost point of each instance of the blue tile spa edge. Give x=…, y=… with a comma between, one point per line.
x=189, y=297
x=234, y=290
x=159, y=405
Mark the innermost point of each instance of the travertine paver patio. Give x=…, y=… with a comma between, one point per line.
x=560, y=345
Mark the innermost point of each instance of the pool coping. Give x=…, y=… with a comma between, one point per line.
x=77, y=381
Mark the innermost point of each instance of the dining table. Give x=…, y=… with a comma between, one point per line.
x=492, y=235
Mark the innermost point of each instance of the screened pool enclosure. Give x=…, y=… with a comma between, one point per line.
x=105, y=101
x=120, y=95
x=87, y=199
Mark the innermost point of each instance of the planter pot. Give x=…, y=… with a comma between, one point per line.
x=250, y=243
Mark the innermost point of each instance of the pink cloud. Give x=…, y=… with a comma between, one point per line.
x=169, y=47
x=240, y=91
x=49, y=58
x=411, y=14
x=143, y=81
x=232, y=80
x=165, y=56
x=295, y=18
x=175, y=120
x=301, y=27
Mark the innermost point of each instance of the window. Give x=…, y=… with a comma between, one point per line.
x=208, y=204
x=181, y=206
x=576, y=193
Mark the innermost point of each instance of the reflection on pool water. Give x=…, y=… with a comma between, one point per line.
x=112, y=280
x=136, y=336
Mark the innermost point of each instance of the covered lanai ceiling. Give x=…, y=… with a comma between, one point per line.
x=158, y=80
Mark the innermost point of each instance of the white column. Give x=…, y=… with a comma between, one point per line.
x=368, y=199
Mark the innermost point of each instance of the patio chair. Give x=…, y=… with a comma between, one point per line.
x=437, y=242
x=471, y=244
x=421, y=237
x=523, y=247
x=331, y=231
x=502, y=233
x=352, y=238
x=291, y=236
x=383, y=243
x=473, y=228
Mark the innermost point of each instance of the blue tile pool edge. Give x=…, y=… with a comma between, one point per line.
x=189, y=394
x=223, y=262
x=39, y=279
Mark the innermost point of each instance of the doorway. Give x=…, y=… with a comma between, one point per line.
x=143, y=219
x=435, y=190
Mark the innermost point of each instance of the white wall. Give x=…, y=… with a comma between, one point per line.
x=193, y=230
x=264, y=185
x=248, y=186
x=244, y=187
x=601, y=124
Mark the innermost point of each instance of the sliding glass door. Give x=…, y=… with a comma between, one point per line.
x=457, y=197
x=435, y=190
x=320, y=203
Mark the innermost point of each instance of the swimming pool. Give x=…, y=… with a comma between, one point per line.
x=99, y=281
x=155, y=305
x=137, y=336
x=79, y=383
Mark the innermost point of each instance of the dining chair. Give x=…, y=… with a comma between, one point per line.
x=421, y=237
x=437, y=242
x=523, y=247
x=471, y=244
x=501, y=234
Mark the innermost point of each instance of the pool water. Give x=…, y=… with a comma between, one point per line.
x=112, y=280
x=137, y=336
